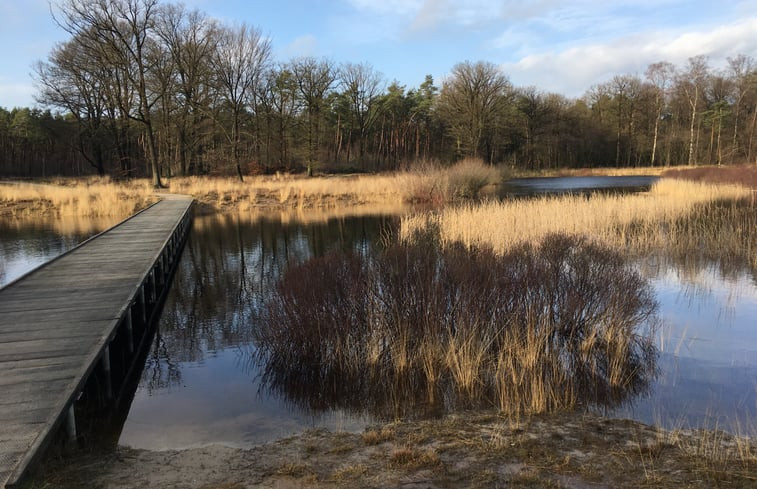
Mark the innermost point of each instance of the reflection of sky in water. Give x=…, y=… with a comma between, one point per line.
x=708, y=351
x=561, y=185
x=27, y=244
x=218, y=401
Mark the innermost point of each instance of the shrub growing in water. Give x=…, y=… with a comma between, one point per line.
x=540, y=328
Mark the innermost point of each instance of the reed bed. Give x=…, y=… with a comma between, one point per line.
x=295, y=191
x=417, y=327
x=429, y=184
x=85, y=198
x=614, y=220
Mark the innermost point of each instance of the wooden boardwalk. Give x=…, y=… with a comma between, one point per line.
x=56, y=324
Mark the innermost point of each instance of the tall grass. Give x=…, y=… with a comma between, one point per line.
x=543, y=327
x=296, y=192
x=468, y=179
x=85, y=198
x=427, y=184
x=611, y=219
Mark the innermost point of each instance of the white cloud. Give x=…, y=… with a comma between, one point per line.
x=571, y=71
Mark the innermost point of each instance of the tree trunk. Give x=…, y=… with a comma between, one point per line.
x=691, y=129
x=656, y=131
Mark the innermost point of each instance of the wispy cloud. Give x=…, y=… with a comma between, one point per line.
x=573, y=70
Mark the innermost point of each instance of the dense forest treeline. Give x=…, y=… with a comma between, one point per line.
x=150, y=88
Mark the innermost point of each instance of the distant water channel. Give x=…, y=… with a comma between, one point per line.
x=202, y=383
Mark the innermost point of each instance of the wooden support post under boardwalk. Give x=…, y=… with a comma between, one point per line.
x=71, y=424
x=106, y=370
x=129, y=330
x=142, y=303
x=50, y=305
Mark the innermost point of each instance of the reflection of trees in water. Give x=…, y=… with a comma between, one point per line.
x=229, y=266
x=161, y=371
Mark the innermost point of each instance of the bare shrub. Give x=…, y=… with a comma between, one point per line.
x=418, y=327
x=745, y=175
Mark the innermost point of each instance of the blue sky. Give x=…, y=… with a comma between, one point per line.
x=555, y=45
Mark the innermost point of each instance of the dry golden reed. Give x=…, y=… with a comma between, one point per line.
x=605, y=218
x=430, y=184
x=296, y=192
x=96, y=197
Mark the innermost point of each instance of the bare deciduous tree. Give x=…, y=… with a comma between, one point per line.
x=240, y=59
x=470, y=100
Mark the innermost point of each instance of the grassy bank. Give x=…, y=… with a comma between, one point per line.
x=589, y=172
x=468, y=179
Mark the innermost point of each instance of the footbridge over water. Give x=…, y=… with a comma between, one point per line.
x=60, y=322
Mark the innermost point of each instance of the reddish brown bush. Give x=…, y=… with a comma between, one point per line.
x=742, y=174
x=541, y=328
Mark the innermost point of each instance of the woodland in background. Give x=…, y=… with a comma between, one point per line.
x=149, y=88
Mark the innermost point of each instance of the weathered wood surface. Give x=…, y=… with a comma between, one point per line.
x=56, y=322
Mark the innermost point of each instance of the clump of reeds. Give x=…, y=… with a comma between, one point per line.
x=465, y=180
x=614, y=220
x=97, y=197
x=542, y=327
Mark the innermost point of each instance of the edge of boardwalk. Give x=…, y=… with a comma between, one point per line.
x=62, y=403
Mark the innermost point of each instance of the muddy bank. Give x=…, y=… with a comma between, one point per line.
x=466, y=450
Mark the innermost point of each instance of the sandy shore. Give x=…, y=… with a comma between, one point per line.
x=466, y=450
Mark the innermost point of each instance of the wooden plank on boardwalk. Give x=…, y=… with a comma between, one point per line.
x=56, y=321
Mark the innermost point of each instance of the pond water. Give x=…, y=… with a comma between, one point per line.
x=575, y=185
x=203, y=384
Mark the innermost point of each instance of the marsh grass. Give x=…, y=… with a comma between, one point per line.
x=468, y=179
x=429, y=184
x=626, y=222
x=95, y=197
x=294, y=191
x=541, y=328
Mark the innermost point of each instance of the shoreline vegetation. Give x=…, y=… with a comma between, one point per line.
x=427, y=185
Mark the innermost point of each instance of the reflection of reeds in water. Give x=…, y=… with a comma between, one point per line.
x=63, y=225
x=540, y=328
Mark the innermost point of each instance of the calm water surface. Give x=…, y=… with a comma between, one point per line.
x=202, y=384
x=576, y=185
